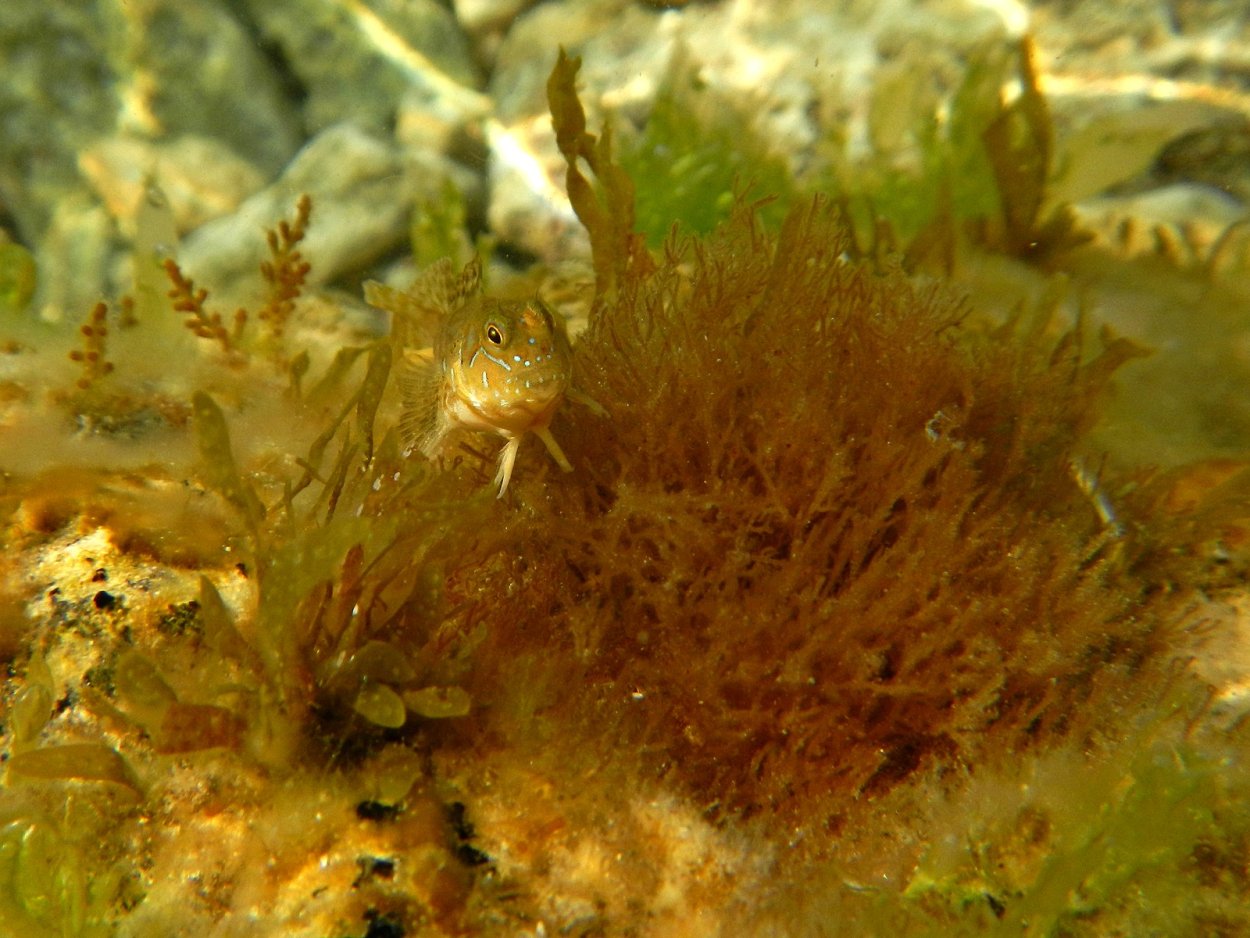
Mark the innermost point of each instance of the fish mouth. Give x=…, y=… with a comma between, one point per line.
x=512, y=410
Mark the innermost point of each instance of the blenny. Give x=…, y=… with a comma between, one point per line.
x=503, y=366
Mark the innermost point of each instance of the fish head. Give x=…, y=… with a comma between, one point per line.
x=508, y=364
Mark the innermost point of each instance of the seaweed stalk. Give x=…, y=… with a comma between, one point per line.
x=608, y=212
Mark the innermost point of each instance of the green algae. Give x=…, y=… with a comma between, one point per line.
x=221, y=634
x=1077, y=850
x=52, y=884
x=437, y=703
x=971, y=164
x=693, y=157
x=30, y=713
x=156, y=239
x=221, y=472
x=438, y=228
x=18, y=277
x=976, y=166
x=372, y=387
x=82, y=761
x=44, y=888
x=141, y=689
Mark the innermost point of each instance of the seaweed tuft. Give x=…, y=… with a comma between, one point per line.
x=829, y=541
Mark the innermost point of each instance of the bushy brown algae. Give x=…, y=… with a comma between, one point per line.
x=822, y=544
x=829, y=547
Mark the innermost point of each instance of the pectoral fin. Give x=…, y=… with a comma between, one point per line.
x=553, y=448
x=422, y=424
x=586, y=400
x=507, y=458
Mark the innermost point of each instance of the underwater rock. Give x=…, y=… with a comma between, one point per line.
x=1124, y=141
x=836, y=624
x=362, y=197
x=1167, y=40
x=487, y=21
x=1138, y=60
x=137, y=67
x=200, y=177
x=78, y=74
x=355, y=61
x=54, y=96
x=1182, y=203
x=198, y=70
x=1217, y=155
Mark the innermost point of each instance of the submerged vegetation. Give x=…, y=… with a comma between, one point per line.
x=973, y=168
x=689, y=178
x=779, y=647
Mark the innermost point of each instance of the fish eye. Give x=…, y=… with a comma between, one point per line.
x=494, y=334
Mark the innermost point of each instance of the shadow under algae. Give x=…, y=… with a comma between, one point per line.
x=830, y=544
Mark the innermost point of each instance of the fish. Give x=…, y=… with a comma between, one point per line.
x=497, y=365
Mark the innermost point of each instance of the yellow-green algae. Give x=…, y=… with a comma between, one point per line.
x=17, y=276
x=938, y=169
x=824, y=636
